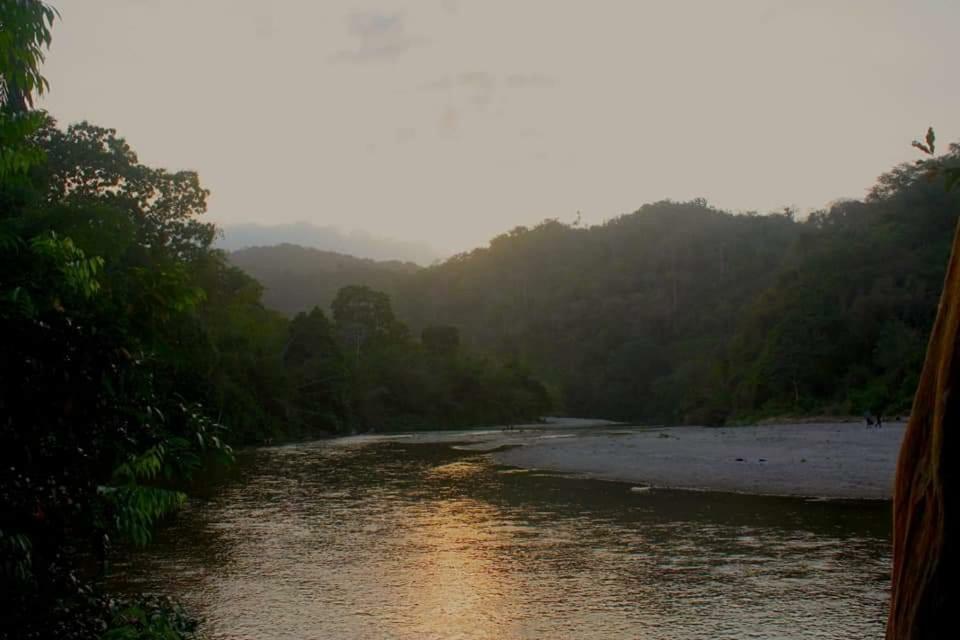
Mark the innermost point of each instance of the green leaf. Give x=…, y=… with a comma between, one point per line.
x=951, y=177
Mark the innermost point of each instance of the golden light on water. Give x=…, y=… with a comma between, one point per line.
x=460, y=588
x=460, y=581
x=334, y=542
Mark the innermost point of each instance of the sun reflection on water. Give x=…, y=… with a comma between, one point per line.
x=404, y=543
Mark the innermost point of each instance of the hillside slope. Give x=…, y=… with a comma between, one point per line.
x=326, y=238
x=680, y=312
x=298, y=278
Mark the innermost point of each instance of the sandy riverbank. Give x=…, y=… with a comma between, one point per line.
x=834, y=460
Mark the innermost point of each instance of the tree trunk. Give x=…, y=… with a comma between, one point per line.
x=925, y=568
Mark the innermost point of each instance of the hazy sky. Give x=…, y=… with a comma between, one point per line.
x=450, y=121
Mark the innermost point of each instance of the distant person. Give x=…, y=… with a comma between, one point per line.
x=868, y=419
x=879, y=421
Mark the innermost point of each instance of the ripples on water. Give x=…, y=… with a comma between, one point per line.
x=347, y=540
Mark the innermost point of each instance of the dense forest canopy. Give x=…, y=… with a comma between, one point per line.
x=683, y=313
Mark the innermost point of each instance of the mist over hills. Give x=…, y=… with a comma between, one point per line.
x=297, y=278
x=326, y=238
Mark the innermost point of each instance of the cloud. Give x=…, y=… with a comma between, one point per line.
x=449, y=120
x=377, y=36
x=442, y=84
x=477, y=80
x=469, y=92
x=486, y=82
x=529, y=81
x=370, y=24
x=263, y=27
x=405, y=134
x=478, y=88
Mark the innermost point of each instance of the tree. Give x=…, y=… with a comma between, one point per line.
x=87, y=163
x=319, y=374
x=441, y=340
x=24, y=35
x=93, y=437
x=364, y=316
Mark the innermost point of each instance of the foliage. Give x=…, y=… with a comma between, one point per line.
x=319, y=375
x=398, y=383
x=87, y=163
x=96, y=280
x=365, y=319
x=149, y=618
x=17, y=154
x=680, y=312
x=627, y=320
x=24, y=34
x=441, y=341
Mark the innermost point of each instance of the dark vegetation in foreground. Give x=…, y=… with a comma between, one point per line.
x=682, y=313
x=134, y=355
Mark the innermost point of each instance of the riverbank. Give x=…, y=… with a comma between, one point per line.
x=830, y=460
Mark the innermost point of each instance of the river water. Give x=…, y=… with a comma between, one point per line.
x=360, y=538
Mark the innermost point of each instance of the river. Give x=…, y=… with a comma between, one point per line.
x=367, y=538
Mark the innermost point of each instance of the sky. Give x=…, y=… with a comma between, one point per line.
x=450, y=121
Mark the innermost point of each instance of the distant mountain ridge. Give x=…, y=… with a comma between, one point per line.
x=326, y=238
x=297, y=278
x=683, y=313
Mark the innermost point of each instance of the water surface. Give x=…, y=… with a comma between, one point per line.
x=386, y=539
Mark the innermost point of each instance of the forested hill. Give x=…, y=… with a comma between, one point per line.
x=680, y=312
x=300, y=277
x=326, y=238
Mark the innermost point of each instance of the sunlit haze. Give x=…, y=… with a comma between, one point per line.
x=449, y=121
